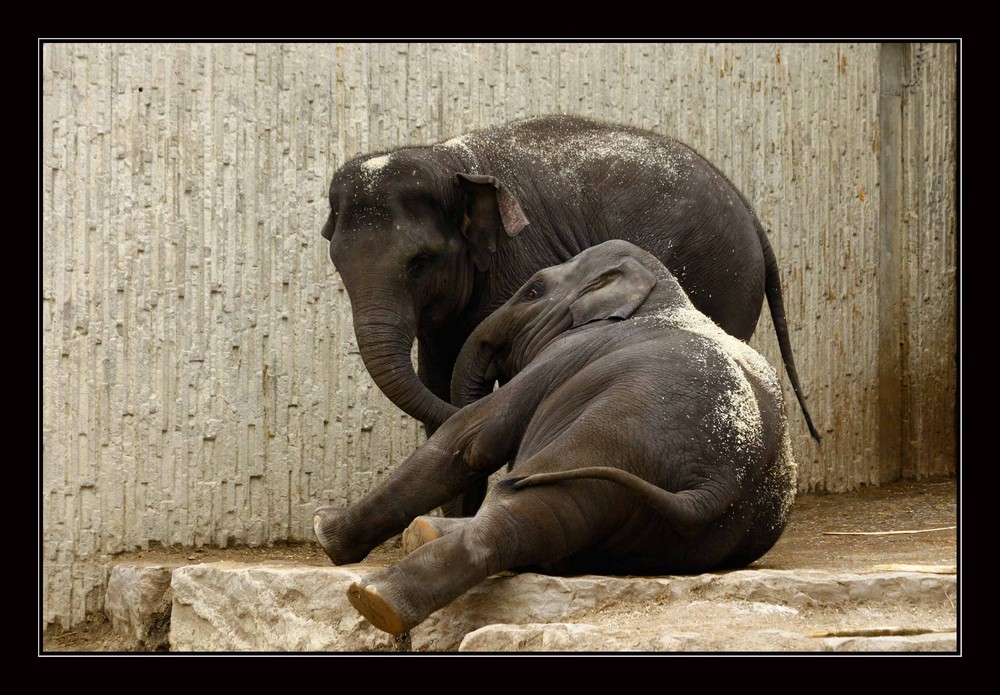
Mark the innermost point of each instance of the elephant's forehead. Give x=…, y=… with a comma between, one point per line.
x=383, y=178
x=373, y=170
x=365, y=176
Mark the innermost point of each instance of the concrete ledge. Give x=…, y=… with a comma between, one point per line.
x=229, y=606
x=238, y=607
x=137, y=604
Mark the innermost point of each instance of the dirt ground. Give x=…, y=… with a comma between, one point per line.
x=843, y=532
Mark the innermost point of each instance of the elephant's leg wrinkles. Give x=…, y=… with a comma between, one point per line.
x=516, y=528
x=497, y=440
x=400, y=597
x=446, y=465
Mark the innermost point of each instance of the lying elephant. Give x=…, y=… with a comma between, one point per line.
x=645, y=440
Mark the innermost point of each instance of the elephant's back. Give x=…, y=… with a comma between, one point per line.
x=582, y=182
x=649, y=393
x=571, y=153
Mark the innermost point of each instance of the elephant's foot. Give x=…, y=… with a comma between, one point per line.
x=425, y=529
x=367, y=600
x=331, y=527
x=420, y=531
x=400, y=597
x=393, y=599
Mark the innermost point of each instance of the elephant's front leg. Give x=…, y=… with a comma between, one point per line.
x=443, y=467
x=435, y=366
x=431, y=475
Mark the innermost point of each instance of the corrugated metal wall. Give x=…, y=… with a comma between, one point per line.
x=201, y=381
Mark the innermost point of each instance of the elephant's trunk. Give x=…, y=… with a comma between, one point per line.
x=476, y=368
x=385, y=339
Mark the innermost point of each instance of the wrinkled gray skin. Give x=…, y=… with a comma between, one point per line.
x=644, y=440
x=430, y=240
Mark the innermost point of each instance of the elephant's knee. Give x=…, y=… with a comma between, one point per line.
x=482, y=548
x=481, y=456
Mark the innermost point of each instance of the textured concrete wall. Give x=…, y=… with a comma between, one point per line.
x=929, y=222
x=201, y=381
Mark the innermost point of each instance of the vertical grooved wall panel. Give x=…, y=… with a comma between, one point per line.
x=929, y=225
x=201, y=379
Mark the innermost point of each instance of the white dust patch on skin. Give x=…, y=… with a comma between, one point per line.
x=375, y=164
x=690, y=319
x=788, y=469
x=571, y=154
x=778, y=488
x=633, y=148
x=738, y=415
x=371, y=170
x=737, y=412
x=460, y=142
x=460, y=146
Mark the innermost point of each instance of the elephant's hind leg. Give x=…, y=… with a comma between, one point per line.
x=515, y=528
x=400, y=597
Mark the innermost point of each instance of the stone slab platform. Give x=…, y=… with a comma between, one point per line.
x=282, y=607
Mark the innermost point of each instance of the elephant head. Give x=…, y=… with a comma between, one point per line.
x=608, y=281
x=408, y=234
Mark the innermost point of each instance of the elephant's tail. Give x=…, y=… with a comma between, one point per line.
x=772, y=289
x=687, y=510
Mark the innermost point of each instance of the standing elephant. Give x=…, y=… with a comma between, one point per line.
x=430, y=240
x=645, y=440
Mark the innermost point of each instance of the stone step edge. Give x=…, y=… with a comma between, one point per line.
x=139, y=598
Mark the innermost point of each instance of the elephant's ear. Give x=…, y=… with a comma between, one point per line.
x=614, y=292
x=490, y=211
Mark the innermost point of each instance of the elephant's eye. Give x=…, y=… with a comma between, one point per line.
x=419, y=264
x=534, y=290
